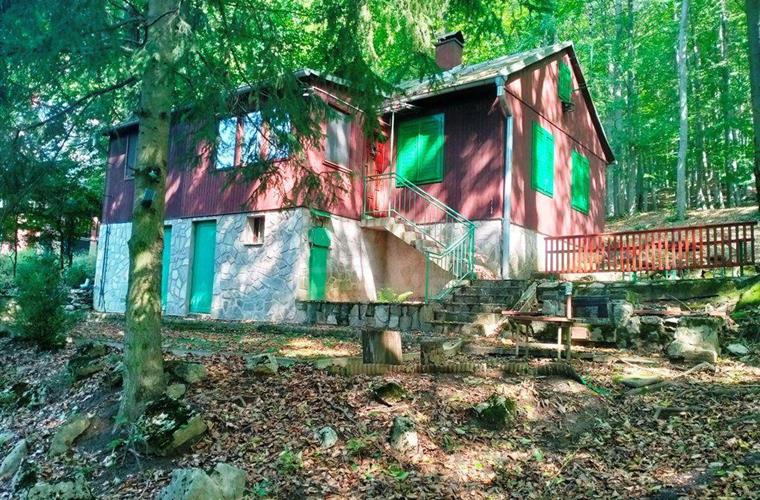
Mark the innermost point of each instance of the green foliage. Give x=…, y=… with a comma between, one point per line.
x=289, y=461
x=391, y=296
x=82, y=268
x=361, y=446
x=749, y=298
x=41, y=299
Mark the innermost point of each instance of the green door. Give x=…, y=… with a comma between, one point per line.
x=319, y=241
x=165, y=262
x=202, y=271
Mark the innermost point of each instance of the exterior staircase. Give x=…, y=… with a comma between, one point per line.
x=444, y=236
x=475, y=307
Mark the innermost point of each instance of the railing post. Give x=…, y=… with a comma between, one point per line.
x=427, y=277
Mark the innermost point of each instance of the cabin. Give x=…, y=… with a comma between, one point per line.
x=477, y=167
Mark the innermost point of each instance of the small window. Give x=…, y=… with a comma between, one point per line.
x=420, y=150
x=338, y=134
x=131, y=159
x=226, y=146
x=565, y=84
x=542, y=179
x=255, y=230
x=239, y=140
x=580, y=183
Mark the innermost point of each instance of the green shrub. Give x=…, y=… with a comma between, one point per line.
x=82, y=268
x=41, y=297
x=390, y=295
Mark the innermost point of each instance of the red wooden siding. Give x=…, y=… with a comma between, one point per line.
x=533, y=95
x=473, y=155
x=194, y=187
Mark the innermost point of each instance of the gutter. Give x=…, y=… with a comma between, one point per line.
x=506, y=210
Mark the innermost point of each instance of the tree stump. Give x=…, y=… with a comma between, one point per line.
x=381, y=346
x=432, y=352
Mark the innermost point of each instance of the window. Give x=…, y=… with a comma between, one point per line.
x=338, y=134
x=565, y=83
x=131, y=159
x=580, y=184
x=239, y=140
x=420, y=150
x=542, y=179
x=255, y=230
x=276, y=147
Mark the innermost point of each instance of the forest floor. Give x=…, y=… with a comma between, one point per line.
x=566, y=441
x=651, y=220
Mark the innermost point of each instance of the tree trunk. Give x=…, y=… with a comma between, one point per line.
x=683, y=111
x=753, y=35
x=725, y=90
x=143, y=360
x=381, y=346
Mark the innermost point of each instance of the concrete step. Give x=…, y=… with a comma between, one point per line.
x=475, y=318
x=441, y=327
x=484, y=296
x=477, y=307
x=499, y=284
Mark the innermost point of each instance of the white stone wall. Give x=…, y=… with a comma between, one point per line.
x=526, y=252
x=111, y=277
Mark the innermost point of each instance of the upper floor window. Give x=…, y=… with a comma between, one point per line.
x=420, y=150
x=338, y=134
x=542, y=179
x=239, y=140
x=131, y=159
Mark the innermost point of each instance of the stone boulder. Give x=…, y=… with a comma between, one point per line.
x=25, y=477
x=737, y=349
x=696, y=339
x=88, y=360
x=176, y=391
x=495, y=413
x=77, y=489
x=188, y=372
x=224, y=483
x=18, y=395
x=388, y=393
x=327, y=437
x=13, y=460
x=262, y=365
x=169, y=426
x=403, y=435
x=68, y=433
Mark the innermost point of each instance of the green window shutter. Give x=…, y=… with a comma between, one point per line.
x=581, y=183
x=565, y=83
x=543, y=160
x=420, y=153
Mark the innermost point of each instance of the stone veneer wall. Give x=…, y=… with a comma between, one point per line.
x=405, y=317
x=111, y=280
x=526, y=252
x=251, y=282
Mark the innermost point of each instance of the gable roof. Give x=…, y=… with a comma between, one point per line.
x=465, y=77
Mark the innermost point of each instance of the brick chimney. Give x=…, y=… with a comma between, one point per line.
x=448, y=50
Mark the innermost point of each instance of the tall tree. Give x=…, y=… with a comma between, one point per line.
x=753, y=36
x=683, y=112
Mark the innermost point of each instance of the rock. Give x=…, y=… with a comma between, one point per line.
x=115, y=377
x=169, y=425
x=6, y=437
x=25, y=477
x=176, y=391
x=67, y=434
x=696, y=339
x=190, y=373
x=88, y=360
x=389, y=393
x=327, y=437
x=403, y=434
x=18, y=395
x=495, y=413
x=262, y=365
x=13, y=460
x=77, y=489
x=636, y=382
x=226, y=482
x=69, y=308
x=737, y=349
x=622, y=311
x=231, y=480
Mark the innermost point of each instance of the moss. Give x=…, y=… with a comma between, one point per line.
x=390, y=392
x=749, y=298
x=496, y=412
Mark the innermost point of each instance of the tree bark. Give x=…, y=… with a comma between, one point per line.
x=381, y=346
x=753, y=35
x=683, y=112
x=725, y=90
x=143, y=360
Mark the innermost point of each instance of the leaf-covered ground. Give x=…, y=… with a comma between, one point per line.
x=567, y=441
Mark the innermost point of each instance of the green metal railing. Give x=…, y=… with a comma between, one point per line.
x=450, y=235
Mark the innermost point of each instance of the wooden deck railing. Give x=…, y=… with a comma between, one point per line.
x=697, y=247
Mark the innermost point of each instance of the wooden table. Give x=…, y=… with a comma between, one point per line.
x=564, y=334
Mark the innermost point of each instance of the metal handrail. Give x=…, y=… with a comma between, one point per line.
x=458, y=253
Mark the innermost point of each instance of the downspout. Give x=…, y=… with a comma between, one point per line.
x=506, y=221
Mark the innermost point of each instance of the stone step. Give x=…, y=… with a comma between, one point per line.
x=440, y=327
x=468, y=317
x=474, y=297
x=477, y=307
x=499, y=284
